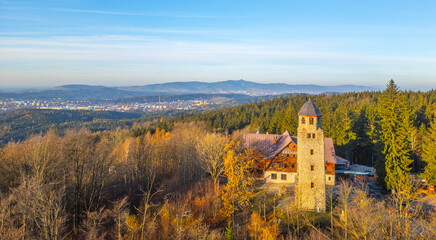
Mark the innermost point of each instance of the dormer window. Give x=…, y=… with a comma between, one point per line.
x=311, y=121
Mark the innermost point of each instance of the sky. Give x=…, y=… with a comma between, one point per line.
x=118, y=43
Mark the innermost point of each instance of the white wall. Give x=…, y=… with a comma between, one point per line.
x=290, y=177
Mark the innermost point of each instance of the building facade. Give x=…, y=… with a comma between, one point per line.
x=311, y=180
x=307, y=160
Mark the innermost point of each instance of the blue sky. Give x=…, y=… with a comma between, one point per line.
x=114, y=43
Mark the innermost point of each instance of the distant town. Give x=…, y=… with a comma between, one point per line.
x=10, y=104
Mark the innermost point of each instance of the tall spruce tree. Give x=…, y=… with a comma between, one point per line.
x=362, y=145
x=342, y=133
x=275, y=123
x=395, y=124
x=290, y=120
x=429, y=154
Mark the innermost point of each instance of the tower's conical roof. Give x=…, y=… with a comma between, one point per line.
x=310, y=109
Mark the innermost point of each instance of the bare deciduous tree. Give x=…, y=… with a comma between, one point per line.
x=211, y=149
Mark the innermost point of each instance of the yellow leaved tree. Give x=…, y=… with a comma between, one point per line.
x=261, y=229
x=236, y=194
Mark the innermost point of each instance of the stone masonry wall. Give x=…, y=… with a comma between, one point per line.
x=311, y=179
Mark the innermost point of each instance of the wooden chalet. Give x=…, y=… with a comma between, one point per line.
x=277, y=157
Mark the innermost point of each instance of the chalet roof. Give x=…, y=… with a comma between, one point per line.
x=265, y=143
x=310, y=109
x=329, y=151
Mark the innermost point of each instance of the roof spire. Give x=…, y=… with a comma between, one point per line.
x=309, y=109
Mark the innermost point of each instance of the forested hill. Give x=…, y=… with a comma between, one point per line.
x=351, y=119
x=238, y=87
x=173, y=180
x=20, y=124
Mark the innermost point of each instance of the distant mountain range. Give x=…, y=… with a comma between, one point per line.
x=77, y=92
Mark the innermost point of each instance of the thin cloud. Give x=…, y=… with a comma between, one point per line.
x=5, y=17
x=115, y=48
x=157, y=30
x=136, y=13
x=20, y=33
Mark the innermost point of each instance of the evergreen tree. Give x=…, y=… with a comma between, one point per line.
x=275, y=123
x=429, y=155
x=341, y=130
x=395, y=125
x=229, y=231
x=290, y=120
x=362, y=145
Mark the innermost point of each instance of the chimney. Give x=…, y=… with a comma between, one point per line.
x=275, y=139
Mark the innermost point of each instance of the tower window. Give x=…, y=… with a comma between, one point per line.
x=313, y=135
x=311, y=121
x=312, y=168
x=312, y=185
x=303, y=120
x=311, y=151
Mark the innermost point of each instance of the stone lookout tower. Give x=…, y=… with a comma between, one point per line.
x=311, y=193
